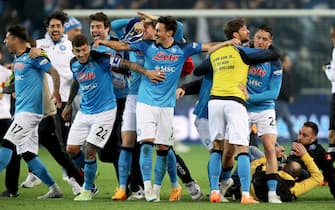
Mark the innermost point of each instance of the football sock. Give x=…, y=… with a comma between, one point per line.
x=214, y=169
x=38, y=168
x=125, y=159
x=90, y=170
x=146, y=161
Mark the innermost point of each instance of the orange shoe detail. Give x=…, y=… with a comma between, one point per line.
x=175, y=194
x=215, y=196
x=248, y=200
x=120, y=195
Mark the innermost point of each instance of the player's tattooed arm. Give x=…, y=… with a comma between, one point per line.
x=155, y=75
x=56, y=83
x=67, y=111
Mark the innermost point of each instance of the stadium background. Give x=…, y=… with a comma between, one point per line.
x=301, y=28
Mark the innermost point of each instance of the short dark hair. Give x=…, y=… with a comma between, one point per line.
x=169, y=22
x=18, y=31
x=79, y=40
x=233, y=26
x=100, y=16
x=293, y=168
x=59, y=15
x=31, y=41
x=265, y=28
x=313, y=126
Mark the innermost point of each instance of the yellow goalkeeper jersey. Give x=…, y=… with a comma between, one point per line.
x=229, y=73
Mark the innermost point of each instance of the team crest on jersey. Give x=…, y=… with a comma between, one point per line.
x=62, y=47
x=19, y=66
x=173, y=50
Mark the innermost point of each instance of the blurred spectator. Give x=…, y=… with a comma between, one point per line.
x=140, y=4
x=286, y=96
x=29, y=13
x=72, y=27
x=202, y=29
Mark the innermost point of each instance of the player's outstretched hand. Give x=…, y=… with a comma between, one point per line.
x=56, y=99
x=298, y=149
x=97, y=43
x=180, y=92
x=67, y=112
x=155, y=76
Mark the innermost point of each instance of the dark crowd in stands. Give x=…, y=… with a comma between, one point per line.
x=305, y=39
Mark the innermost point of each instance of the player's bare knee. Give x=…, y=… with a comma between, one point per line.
x=162, y=147
x=90, y=151
x=73, y=150
x=218, y=145
x=128, y=143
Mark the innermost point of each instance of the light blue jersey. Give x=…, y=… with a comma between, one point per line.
x=29, y=82
x=171, y=61
x=201, y=107
x=119, y=92
x=264, y=82
x=95, y=81
x=119, y=27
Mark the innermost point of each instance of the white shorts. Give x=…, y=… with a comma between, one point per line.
x=228, y=119
x=202, y=126
x=93, y=128
x=23, y=132
x=129, y=114
x=155, y=122
x=265, y=121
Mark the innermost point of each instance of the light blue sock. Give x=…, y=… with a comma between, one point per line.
x=146, y=161
x=124, y=166
x=79, y=159
x=90, y=170
x=243, y=170
x=37, y=167
x=160, y=168
x=5, y=157
x=272, y=184
x=214, y=170
x=172, y=166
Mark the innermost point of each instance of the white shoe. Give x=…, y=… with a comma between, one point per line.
x=150, y=195
x=273, y=198
x=76, y=189
x=194, y=190
x=31, y=181
x=225, y=185
x=158, y=196
x=54, y=192
x=139, y=195
x=87, y=195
